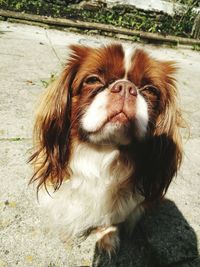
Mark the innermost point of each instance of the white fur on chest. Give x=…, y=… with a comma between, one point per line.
x=96, y=194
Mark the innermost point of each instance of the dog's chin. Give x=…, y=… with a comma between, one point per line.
x=116, y=131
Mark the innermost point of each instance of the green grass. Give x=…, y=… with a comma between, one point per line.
x=119, y=15
x=196, y=47
x=52, y=78
x=13, y=139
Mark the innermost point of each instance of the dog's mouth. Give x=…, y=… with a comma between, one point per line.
x=119, y=119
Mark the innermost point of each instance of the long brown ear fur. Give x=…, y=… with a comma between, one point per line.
x=51, y=133
x=52, y=126
x=159, y=157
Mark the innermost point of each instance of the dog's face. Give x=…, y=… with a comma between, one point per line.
x=109, y=96
x=112, y=108
x=117, y=96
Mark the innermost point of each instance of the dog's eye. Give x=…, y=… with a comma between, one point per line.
x=112, y=81
x=92, y=79
x=152, y=95
x=150, y=91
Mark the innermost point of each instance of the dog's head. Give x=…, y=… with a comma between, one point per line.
x=111, y=96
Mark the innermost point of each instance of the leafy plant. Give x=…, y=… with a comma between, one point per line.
x=180, y=24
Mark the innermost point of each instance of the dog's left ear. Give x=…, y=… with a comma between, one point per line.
x=161, y=153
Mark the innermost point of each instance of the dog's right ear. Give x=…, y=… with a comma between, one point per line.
x=53, y=123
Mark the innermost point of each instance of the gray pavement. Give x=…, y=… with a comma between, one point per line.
x=29, y=55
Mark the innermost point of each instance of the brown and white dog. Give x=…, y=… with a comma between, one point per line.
x=107, y=140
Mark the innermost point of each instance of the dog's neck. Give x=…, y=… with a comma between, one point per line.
x=92, y=162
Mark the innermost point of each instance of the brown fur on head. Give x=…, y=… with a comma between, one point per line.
x=92, y=74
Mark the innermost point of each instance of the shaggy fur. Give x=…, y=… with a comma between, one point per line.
x=107, y=140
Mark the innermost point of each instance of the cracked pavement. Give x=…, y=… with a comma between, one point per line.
x=28, y=56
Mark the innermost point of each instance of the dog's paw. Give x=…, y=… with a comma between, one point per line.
x=108, y=239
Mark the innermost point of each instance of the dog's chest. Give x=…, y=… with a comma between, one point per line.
x=97, y=193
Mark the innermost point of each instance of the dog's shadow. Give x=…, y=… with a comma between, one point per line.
x=163, y=238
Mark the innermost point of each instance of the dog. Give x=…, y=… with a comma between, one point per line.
x=107, y=140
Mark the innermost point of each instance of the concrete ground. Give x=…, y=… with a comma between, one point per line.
x=28, y=56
